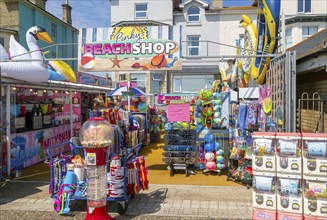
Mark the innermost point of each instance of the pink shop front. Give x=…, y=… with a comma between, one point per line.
x=39, y=116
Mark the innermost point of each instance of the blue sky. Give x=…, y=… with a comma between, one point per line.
x=95, y=13
x=85, y=13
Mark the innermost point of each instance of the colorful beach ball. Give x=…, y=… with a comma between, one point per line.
x=209, y=147
x=210, y=156
x=220, y=152
x=211, y=165
x=220, y=159
x=221, y=166
x=88, y=61
x=208, y=138
x=217, y=145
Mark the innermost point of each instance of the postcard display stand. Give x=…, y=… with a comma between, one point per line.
x=264, y=176
x=315, y=176
x=289, y=176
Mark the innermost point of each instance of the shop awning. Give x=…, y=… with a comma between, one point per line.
x=75, y=87
x=122, y=90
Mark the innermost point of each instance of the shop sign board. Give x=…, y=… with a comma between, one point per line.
x=88, y=79
x=29, y=148
x=129, y=48
x=178, y=113
x=175, y=98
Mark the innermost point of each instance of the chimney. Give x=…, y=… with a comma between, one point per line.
x=217, y=4
x=39, y=3
x=67, y=13
x=176, y=3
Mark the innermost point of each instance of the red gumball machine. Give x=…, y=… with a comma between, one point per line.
x=95, y=136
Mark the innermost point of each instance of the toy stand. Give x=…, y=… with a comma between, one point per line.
x=211, y=146
x=58, y=172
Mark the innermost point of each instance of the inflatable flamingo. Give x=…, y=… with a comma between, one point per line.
x=22, y=68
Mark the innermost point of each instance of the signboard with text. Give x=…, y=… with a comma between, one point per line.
x=178, y=113
x=129, y=48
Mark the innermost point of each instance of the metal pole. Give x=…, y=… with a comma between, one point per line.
x=229, y=56
x=8, y=137
x=71, y=112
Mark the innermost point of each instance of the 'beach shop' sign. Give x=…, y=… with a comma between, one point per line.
x=123, y=46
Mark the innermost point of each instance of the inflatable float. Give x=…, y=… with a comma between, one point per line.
x=64, y=69
x=267, y=26
x=32, y=71
x=248, y=48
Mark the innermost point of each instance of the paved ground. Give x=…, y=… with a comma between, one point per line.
x=30, y=200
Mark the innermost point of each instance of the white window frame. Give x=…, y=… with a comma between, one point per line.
x=190, y=46
x=306, y=36
x=303, y=2
x=146, y=12
x=289, y=39
x=193, y=15
x=139, y=82
x=180, y=77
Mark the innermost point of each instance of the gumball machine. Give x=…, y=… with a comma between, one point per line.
x=95, y=136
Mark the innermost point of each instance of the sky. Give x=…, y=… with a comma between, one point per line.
x=95, y=13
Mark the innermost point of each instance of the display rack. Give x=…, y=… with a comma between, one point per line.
x=220, y=136
x=146, y=135
x=54, y=188
x=179, y=150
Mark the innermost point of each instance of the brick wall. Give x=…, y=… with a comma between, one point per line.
x=9, y=14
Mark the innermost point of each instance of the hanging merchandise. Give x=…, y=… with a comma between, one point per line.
x=208, y=109
x=242, y=158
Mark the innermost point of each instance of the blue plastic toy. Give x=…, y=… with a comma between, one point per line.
x=208, y=138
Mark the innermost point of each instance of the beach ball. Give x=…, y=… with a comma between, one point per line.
x=209, y=147
x=198, y=109
x=198, y=102
x=217, y=145
x=220, y=159
x=216, y=115
x=201, y=166
x=201, y=152
x=88, y=61
x=159, y=60
x=210, y=156
x=217, y=120
x=142, y=107
x=221, y=166
x=211, y=165
x=216, y=108
x=216, y=102
x=216, y=95
x=198, y=120
x=198, y=115
x=220, y=152
x=208, y=138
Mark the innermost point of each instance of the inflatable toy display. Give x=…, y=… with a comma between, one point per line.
x=268, y=23
x=64, y=69
x=32, y=71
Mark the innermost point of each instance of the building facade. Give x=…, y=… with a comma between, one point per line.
x=17, y=16
x=303, y=18
x=205, y=28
